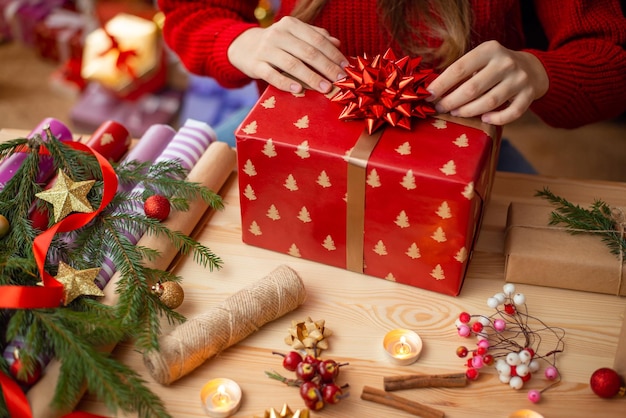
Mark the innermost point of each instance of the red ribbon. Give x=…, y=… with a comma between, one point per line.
x=383, y=90
x=51, y=294
x=17, y=403
x=121, y=63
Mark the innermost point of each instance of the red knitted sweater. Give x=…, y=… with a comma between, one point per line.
x=585, y=59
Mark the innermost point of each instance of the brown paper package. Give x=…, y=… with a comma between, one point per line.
x=548, y=255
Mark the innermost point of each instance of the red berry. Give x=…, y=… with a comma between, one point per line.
x=481, y=350
x=477, y=327
x=315, y=405
x=310, y=391
x=464, y=317
x=488, y=359
x=305, y=371
x=290, y=360
x=471, y=373
x=157, y=207
x=312, y=360
x=509, y=308
x=461, y=351
x=332, y=393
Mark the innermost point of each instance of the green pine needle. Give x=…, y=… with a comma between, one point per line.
x=599, y=218
x=74, y=333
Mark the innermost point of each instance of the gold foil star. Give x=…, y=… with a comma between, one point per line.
x=67, y=196
x=286, y=412
x=77, y=282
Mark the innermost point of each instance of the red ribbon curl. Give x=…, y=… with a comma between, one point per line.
x=50, y=295
x=384, y=89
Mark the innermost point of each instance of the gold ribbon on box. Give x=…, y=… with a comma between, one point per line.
x=381, y=90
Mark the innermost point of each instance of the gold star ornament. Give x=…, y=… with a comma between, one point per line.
x=77, y=282
x=286, y=412
x=67, y=196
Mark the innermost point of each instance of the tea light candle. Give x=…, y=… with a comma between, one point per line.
x=221, y=397
x=403, y=346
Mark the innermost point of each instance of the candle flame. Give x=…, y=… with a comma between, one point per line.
x=221, y=397
x=403, y=348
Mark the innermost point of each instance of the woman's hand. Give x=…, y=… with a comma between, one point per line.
x=307, y=53
x=492, y=81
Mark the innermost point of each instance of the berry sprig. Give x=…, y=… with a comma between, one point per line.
x=506, y=340
x=316, y=379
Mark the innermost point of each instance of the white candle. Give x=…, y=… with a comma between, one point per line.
x=221, y=397
x=403, y=346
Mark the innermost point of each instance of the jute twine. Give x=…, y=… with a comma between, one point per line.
x=204, y=336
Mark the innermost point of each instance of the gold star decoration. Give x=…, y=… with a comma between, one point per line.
x=67, y=196
x=77, y=282
x=286, y=412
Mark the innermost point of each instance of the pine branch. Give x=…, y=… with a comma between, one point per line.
x=600, y=219
x=71, y=333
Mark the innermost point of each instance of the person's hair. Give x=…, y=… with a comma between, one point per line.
x=446, y=20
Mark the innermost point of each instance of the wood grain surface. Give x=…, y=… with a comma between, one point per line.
x=360, y=310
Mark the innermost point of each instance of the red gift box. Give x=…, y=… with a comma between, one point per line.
x=409, y=213
x=60, y=36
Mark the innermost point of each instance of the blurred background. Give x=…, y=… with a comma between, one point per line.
x=43, y=44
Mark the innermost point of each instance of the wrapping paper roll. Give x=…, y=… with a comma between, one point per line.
x=241, y=314
x=212, y=171
x=150, y=146
x=111, y=139
x=187, y=146
x=9, y=166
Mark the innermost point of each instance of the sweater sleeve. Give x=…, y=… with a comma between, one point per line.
x=200, y=32
x=585, y=62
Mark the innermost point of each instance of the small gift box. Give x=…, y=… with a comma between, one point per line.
x=125, y=56
x=542, y=254
x=26, y=15
x=60, y=36
x=400, y=204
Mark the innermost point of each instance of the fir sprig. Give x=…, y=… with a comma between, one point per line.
x=74, y=333
x=600, y=219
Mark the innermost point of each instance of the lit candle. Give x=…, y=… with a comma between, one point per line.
x=403, y=346
x=221, y=397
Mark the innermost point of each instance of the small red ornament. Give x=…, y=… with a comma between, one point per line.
x=606, y=383
x=157, y=207
x=16, y=371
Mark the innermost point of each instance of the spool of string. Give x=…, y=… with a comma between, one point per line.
x=206, y=335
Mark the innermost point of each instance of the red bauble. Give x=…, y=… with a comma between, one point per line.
x=29, y=379
x=157, y=207
x=605, y=382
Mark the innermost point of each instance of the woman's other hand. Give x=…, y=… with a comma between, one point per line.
x=306, y=53
x=490, y=81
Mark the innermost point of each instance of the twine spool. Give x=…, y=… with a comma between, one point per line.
x=204, y=336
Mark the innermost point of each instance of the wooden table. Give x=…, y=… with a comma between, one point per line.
x=361, y=309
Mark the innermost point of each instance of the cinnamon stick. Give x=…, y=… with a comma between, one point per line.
x=413, y=381
x=384, y=398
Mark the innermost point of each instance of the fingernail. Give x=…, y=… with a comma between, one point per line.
x=485, y=118
x=344, y=64
x=341, y=76
x=454, y=112
x=295, y=87
x=324, y=86
x=432, y=96
x=440, y=108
